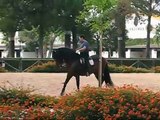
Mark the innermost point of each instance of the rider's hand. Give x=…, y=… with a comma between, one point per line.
x=77, y=51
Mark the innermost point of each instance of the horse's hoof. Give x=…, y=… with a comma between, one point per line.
x=62, y=94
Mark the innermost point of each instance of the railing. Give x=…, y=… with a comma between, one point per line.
x=23, y=64
x=136, y=62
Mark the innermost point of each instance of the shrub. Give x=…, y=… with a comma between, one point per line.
x=2, y=70
x=156, y=69
x=92, y=103
x=46, y=67
x=20, y=96
x=18, y=104
x=20, y=113
x=122, y=103
x=127, y=69
x=51, y=67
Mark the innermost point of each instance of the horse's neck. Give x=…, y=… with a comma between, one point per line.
x=68, y=55
x=69, y=60
x=71, y=56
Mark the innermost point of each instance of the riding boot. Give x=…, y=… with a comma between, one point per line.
x=87, y=74
x=87, y=68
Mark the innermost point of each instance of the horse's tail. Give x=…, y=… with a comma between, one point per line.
x=106, y=76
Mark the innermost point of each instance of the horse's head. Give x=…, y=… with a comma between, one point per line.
x=57, y=57
x=65, y=55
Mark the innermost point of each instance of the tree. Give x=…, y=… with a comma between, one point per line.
x=12, y=19
x=110, y=39
x=96, y=14
x=68, y=11
x=157, y=35
x=147, y=8
x=52, y=38
x=121, y=12
x=42, y=14
x=30, y=38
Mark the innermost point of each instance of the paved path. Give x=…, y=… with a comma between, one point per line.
x=51, y=83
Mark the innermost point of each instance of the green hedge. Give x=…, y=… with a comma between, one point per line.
x=46, y=67
x=51, y=67
x=127, y=69
x=22, y=64
x=2, y=70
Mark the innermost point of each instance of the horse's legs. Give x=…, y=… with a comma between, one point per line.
x=77, y=81
x=96, y=75
x=65, y=83
x=107, y=77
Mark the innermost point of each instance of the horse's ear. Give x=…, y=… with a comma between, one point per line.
x=53, y=53
x=74, y=50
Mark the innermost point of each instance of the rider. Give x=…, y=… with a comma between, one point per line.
x=84, y=51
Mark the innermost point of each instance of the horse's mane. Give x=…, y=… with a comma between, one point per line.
x=67, y=54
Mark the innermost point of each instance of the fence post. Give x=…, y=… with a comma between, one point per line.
x=20, y=65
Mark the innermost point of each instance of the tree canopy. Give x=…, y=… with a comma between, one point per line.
x=74, y=17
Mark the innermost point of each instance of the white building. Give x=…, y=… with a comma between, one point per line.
x=140, y=32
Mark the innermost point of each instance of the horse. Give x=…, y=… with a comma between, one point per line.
x=75, y=66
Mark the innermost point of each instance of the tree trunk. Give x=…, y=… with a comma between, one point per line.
x=97, y=50
x=45, y=47
x=68, y=40
x=148, y=31
x=41, y=36
x=100, y=60
x=122, y=33
x=123, y=37
x=109, y=52
x=148, y=37
x=51, y=45
x=11, y=49
x=41, y=30
x=74, y=34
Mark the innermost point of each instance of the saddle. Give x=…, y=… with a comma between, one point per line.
x=90, y=61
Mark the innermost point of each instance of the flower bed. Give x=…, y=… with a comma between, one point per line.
x=91, y=103
x=122, y=103
x=17, y=103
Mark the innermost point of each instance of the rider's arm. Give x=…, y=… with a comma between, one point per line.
x=82, y=49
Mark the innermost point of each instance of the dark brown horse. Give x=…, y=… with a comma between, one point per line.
x=76, y=68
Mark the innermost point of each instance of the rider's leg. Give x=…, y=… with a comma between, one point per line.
x=87, y=66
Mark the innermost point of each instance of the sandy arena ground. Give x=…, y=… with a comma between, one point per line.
x=51, y=83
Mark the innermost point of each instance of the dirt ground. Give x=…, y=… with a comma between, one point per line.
x=51, y=83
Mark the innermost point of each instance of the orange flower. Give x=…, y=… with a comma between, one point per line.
x=139, y=105
x=152, y=100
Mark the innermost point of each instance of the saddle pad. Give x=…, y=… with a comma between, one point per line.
x=91, y=62
x=82, y=60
